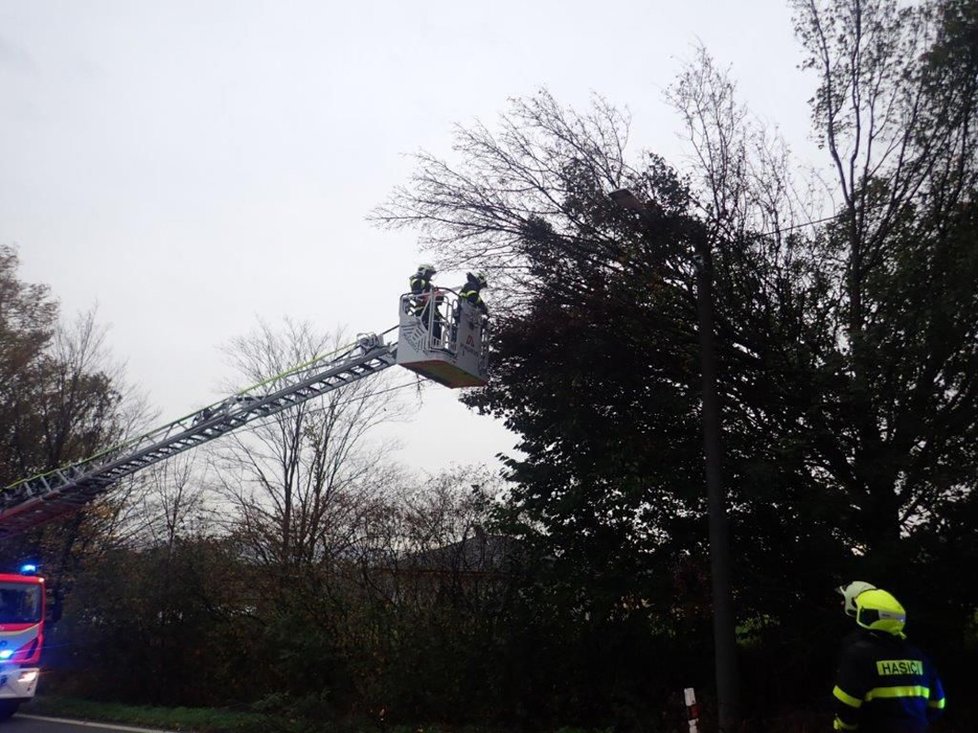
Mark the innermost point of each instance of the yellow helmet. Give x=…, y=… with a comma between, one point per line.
x=874, y=609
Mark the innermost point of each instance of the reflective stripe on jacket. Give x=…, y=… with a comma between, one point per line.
x=473, y=297
x=419, y=284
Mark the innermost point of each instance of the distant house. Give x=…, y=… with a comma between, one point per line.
x=481, y=566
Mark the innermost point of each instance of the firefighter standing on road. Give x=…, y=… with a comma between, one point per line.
x=884, y=683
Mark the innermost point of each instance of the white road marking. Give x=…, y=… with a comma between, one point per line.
x=93, y=724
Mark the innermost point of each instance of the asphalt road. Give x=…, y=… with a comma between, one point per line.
x=36, y=724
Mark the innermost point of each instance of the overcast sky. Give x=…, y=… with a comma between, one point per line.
x=194, y=166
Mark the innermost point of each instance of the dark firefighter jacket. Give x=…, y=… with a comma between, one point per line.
x=472, y=296
x=885, y=685
x=421, y=289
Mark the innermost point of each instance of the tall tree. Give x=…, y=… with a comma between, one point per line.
x=894, y=108
x=298, y=480
x=62, y=399
x=28, y=318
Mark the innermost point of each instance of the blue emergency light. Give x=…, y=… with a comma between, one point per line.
x=28, y=569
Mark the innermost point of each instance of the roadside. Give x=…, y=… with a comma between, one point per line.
x=216, y=720
x=197, y=720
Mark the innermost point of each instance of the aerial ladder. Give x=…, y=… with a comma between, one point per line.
x=446, y=343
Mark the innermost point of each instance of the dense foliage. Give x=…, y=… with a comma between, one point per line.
x=61, y=400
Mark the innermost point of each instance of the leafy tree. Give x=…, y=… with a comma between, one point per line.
x=61, y=400
x=28, y=317
x=870, y=343
x=167, y=625
x=894, y=109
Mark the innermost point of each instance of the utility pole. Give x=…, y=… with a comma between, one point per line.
x=724, y=623
x=724, y=633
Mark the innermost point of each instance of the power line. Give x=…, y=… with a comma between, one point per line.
x=831, y=217
x=811, y=222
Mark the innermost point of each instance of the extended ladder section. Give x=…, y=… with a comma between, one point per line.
x=39, y=499
x=441, y=337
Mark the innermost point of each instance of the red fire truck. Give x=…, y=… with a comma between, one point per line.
x=21, y=637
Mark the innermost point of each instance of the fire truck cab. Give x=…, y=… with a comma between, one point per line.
x=22, y=608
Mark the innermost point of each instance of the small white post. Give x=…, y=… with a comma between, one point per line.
x=692, y=709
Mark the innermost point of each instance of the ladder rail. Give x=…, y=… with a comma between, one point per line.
x=48, y=495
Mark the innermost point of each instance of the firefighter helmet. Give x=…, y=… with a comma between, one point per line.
x=425, y=267
x=874, y=609
x=878, y=610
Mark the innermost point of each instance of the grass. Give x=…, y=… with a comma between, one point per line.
x=217, y=720
x=197, y=720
